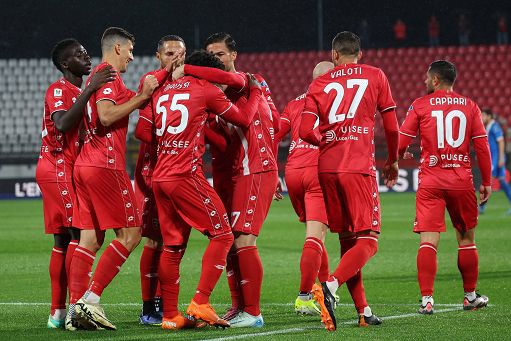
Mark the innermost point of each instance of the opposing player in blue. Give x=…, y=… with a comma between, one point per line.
x=498, y=154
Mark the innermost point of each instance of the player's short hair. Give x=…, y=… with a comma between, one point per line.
x=219, y=38
x=444, y=70
x=488, y=112
x=346, y=43
x=204, y=58
x=170, y=37
x=58, y=52
x=114, y=35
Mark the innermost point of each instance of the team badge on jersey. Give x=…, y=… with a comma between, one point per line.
x=57, y=93
x=107, y=91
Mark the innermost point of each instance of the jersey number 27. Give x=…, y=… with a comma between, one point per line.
x=333, y=116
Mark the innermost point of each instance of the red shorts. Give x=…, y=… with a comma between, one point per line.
x=188, y=202
x=251, y=200
x=306, y=194
x=352, y=202
x=105, y=199
x=431, y=204
x=58, y=202
x=144, y=197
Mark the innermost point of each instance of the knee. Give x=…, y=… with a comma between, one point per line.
x=91, y=245
x=130, y=241
x=244, y=240
x=153, y=244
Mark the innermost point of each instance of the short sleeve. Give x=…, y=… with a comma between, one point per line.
x=109, y=91
x=385, y=100
x=216, y=101
x=58, y=98
x=411, y=122
x=478, y=129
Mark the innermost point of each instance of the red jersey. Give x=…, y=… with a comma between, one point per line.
x=301, y=153
x=147, y=151
x=345, y=100
x=58, y=150
x=253, y=146
x=447, y=122
x=179, y=110
x=103, y=146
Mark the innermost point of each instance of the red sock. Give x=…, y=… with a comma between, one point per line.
x=108, y=267
x=324, y=269
x=310, y=263
x=80, y=269
x=426, y=268
x=355, y=284
x=251, y=270
x=149, y=263
x=355, y=258
x=213, y=264
x=169, y=279
x=468, y=264
x=58, y=279
x=69, y=255
x=233, y=279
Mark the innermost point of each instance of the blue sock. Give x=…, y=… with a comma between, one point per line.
x=505, y=187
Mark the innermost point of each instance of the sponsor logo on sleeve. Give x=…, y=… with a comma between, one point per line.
x=57, y=92
x=107, y=91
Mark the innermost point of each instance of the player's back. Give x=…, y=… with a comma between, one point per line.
x=447, y=122
x=346, y=99
x=301, y=153
x=180, y=110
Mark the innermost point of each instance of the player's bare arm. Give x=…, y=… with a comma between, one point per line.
x=109, y=112
x=66, y=120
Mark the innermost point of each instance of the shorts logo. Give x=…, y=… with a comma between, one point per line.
x=131, y=218
x=57, y=93
x=107, y=91
x=433, y=160
x=68, y=205
x=330, y=136
x=212, y=213
x=217, y=226
x=64, y=192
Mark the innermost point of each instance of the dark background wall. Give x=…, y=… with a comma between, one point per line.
x=29, y=28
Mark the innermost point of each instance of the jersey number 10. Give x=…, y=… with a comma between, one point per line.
x=444, y=132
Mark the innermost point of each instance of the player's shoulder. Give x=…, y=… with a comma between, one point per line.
x=152, y=73
x=296, y=103
x=58, y=89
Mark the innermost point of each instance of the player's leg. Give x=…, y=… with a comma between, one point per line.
x=199, y=206
x=149, y=282
x=113, y=202
x=73, y=244
x=58, y=279
x=505, y=187
x=355, y=286
x=462, y=207
x=310, y=264
x=253, y=195
x=427, y=269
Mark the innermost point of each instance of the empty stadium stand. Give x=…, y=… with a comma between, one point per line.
x=484, y=75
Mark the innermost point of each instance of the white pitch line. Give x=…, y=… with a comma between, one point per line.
x=292, y=330
x=228, y=304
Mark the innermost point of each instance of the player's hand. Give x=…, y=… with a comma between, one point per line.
x=278, y=193
x=484, y=194
x=390, y=172
x=150, y=84
x=177, y=59
x=103, y=76
x=253, y=82
x=178, y=72
x=407, y=156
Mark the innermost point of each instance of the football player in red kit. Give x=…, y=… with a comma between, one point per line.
x=345, y=100
x=448, y=122
x=177, y=116
x=64, y=105
x=168, y=47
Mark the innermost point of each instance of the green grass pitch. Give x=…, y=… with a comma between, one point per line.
x=390, y=282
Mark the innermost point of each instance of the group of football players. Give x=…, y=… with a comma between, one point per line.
x=201, y=98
